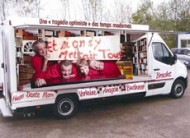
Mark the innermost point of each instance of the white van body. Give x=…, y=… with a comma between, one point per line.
x=156, y=75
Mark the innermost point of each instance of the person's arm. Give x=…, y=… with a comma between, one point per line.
x=40, y=82
x=69, y=76
x=39, y=78
x=72, y=75
x=44, y=67
x=53, y=72
x=37, y=63
x=84, y=70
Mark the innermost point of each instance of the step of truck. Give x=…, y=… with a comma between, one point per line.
x=4, y=109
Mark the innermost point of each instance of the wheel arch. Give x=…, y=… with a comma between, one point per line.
x=185, y=80
x=66, y=105
x=67, y=94
x=178, y=87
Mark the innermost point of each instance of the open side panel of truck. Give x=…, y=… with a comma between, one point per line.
x=1, y=64
x=4, y=81
x=133, y=53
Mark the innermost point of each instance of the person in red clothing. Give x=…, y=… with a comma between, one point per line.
x=40, y=62
x=110, y=69
x=83, y=67
x=68, y=70
x=85, y=71
x=63, y=70
x=105, y=68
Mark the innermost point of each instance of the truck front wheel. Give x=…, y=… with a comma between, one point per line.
x=178, y=89
x=65, y=106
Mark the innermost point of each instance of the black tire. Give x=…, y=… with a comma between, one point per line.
x=65, y=106
x=178, y=89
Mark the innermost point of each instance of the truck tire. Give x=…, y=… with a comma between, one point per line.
x=178, y=89
x=65, y=106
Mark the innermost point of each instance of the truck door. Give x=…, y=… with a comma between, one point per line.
x=4, y=99
x=1, y=64
x=3, y=71
x=161, y=69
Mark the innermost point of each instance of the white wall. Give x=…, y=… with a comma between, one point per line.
x=182, y=37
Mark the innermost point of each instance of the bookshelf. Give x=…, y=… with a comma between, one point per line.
x=140, y=56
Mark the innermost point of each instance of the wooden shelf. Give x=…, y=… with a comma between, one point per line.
x=25, y=73
x=140, y=56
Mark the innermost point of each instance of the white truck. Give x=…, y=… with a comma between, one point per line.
x=155, y=69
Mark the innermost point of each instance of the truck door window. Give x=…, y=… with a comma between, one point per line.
x=183, y=52
x=188, y=52
x=161, y=53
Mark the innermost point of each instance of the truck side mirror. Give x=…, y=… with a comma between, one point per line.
x=173, y=59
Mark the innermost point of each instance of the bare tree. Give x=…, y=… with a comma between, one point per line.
x=92, y=10
x=87, y=9
x=65, y=8
x=2, y=9
x=24, y=8
x=122, y=12
x=96, y=9
x=28, y=8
